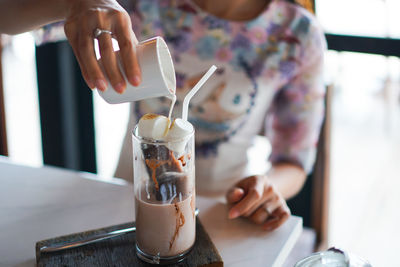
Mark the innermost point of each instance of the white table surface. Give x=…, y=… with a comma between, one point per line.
x=40, y=203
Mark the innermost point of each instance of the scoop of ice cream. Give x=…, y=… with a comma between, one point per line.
x=153, y=126
x=176, y=135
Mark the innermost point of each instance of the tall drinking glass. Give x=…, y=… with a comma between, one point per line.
x=164, y=186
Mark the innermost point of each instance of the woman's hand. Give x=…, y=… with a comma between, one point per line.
x=82, y=18
x=257, y=199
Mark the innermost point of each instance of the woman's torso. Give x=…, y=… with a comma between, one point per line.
x=254, y=59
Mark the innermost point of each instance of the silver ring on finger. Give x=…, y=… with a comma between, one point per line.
x=97, y=32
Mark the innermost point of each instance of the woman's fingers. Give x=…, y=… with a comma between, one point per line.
x=277, y=218
x=252, y=209
x=73, y=38
x=89, y=63
x=126, y=42
x=106, y=15
x=274, y=202
x=109, y=62
x=252, y=198
x=74, y=43
x=270, y=203
x=81, y=41
x=234, y=195
x=267, y=196
x=260, y=215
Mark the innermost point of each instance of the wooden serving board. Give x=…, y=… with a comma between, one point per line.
x=121, y=251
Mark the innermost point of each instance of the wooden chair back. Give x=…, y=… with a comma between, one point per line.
x=3, y=132
x=312, y=203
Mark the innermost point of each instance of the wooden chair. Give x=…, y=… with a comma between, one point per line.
x=3, y=133
x=312, y=201
x=321, y=177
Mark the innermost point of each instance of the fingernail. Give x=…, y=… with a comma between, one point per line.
x=101, y=85
x=136, y=80
x=91, y=85
x=119, y=87
x=233, y=214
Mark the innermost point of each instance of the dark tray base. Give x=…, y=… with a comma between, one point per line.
x=121, y=251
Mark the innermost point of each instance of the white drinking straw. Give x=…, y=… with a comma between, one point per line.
x=194, y=90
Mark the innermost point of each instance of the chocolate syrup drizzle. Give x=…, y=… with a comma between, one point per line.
x=180, y=221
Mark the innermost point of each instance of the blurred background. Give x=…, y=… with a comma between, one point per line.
x=362, y=71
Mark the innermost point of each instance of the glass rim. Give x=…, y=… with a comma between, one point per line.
x=338, y=256
x=158, y=142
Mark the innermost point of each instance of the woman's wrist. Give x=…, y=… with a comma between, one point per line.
x=71, y=7
x=288, y=178
x=48, y=11
x=63, y=8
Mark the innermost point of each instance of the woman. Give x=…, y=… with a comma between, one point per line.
x=269, y=56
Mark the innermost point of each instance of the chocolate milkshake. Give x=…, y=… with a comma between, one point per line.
x=165, y=230
x=164, y=190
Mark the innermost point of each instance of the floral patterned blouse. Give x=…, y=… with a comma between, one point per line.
x=269, y=79
x=269, y=75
